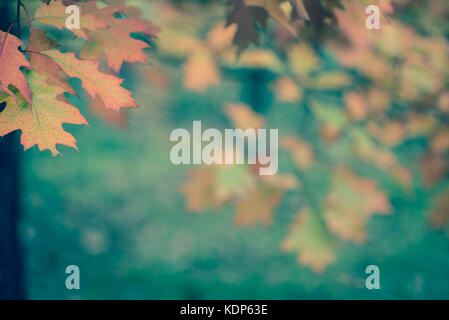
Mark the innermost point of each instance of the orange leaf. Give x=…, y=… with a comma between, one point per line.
x=351, y=203
x=106, y=86
x=257, y=205
x=439, y=216
x=54, y=14
x=201, y=191
x=310, y=238
x=287, y=90
x=200, y=72
x=301, y=152
x=433, y=168
x=246, y=18
x=243, y=117
x=44, y=65
x=11, y=59
x=41, y=123
x=115, y=41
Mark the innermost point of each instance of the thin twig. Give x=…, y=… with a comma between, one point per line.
x=27, y=15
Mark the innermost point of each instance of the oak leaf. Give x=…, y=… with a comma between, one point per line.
x=246, y=18
x=201, y=191
x=351, y=202
x=115, y=41
x=259, y=201
x=200, y=72
x=106, y=86
x=243, y=117
x=41, y=122
x=54, y=14
x=258, y=205
x=44, y=65
x=301, y=152
x=287, y=90
x=309, y=236
x=11, y=60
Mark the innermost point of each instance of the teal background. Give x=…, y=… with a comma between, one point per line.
x=115, y=209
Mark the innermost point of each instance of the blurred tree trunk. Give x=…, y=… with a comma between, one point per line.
x=11, y=269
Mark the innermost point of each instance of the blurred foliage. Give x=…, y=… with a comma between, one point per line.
x=362, y=116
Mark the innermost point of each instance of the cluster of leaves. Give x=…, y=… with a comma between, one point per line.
x=363, y=96
x=35, y=98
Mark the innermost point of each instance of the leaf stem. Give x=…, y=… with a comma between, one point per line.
x=6, y=37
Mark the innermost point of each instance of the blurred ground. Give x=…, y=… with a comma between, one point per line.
x=115, y=210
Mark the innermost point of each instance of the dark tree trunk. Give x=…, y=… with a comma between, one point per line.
x=10, y=261
x=11, y=269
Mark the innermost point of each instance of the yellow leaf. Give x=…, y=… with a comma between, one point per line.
x=303, y=60
x=330, y=81
x=302, y=153
x=259, y=58
x=106, y=86
x=40, y=124
x=351, y=203
x=310, y=238
x=243, y=117
x=200, y=72
x=220, y=36
x=287, y=90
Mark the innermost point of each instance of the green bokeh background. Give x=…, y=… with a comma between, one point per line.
x=115, y=209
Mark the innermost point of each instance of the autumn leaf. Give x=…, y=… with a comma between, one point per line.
x=41, y=122
x=439, y=215
x=287, y=90
x=356, y=105
x=106, y=86
x=440, y=142
x=260, y=59
x=433, y=168
x=200, y=72
x=443, y=102
x=246, y=18
x=115, y=41
x=258, y=206
x=333, y=80
x=390, y=133
x=309, y=236
x=54, y=14
x=275, y=12
x=96, y=107
x=351, y=202
x=44, y=65
x=200, y=191
x=258, y=203
x=302, y=60
x=243, y=117
x=220, y=36
x=366, y=148
x=301, y=152
x=11, y=60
